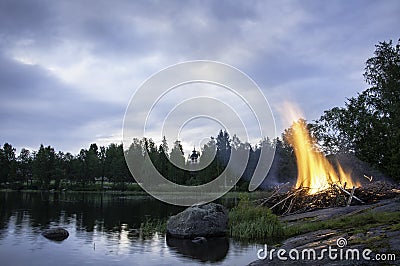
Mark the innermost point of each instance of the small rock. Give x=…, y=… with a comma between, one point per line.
x=57, y=234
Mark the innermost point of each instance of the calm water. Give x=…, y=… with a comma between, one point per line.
x=100, y=227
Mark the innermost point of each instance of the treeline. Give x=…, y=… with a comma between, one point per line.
x=106, y=166
x=48, y=169
x=283, y=167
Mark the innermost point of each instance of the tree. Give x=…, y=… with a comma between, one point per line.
x=135, y=157
x=162, y=162
x=44, y=165
x=369, y=124
x=102, y=163
x=151, y=149
x=68, y=166
x=115, y=166
x=223, y=150
x=208, y=161
x=284, y=163
x=25, y=165
x=92, y=161
x=82, y=167
x=243, y=150
x=176, y=171
x=77, y=168
x=7, y=163
x=60, y=168
x=328, y=130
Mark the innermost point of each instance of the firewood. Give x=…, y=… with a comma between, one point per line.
x=299, y=200
x=348, y=193
x=351, y=196
x=368, y=177
x=270, y=197
x=290, y=195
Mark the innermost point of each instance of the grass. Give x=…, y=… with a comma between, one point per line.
x=250, y=222
x=359, y=223
x=151, y=226
x=395, y=227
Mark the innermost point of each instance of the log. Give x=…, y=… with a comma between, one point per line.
x=348, y=193
x=290, y=205
x=290, y=195
x=351, y=196
x=276, y=192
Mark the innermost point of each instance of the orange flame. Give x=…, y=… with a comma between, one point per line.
x=314, y=171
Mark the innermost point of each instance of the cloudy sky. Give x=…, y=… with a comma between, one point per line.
x=69, y=68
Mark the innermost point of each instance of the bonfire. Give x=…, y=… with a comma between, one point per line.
x=315, y=172
x=320, y=184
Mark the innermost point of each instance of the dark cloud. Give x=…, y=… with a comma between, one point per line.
x=182, y=29
x=36, y=107
x=27, y=21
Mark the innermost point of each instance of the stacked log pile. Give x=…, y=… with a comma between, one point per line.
x=298, y=200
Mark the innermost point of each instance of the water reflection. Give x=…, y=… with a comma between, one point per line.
x=103, y=231
x=211, y=250
x=105, y=212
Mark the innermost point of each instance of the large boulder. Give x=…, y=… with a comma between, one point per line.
x=207, y=220
x=57, y=234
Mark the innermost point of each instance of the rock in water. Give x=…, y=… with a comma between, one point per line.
x=57, y=234
x=207, y=220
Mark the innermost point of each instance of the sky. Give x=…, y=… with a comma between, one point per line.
x=68, y=69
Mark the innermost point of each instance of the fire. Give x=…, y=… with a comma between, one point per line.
x=315, y=172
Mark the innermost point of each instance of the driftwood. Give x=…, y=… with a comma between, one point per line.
x=298, y=200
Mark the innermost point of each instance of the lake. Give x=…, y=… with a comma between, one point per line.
x=101, y=227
